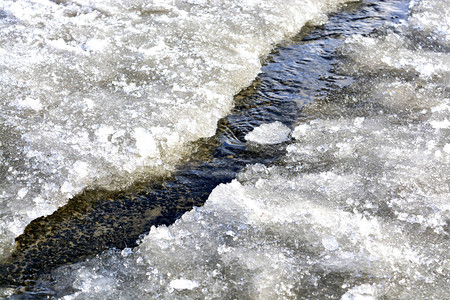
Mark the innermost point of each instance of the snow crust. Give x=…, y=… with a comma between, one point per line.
x=103, y=93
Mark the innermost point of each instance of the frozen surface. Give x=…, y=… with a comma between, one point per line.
x=358, y=209
x=273, y=133
x=103, y=93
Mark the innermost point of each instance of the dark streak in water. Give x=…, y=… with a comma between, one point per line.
x=297, y=73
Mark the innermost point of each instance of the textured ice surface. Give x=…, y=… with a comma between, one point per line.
x=101, y=93
x=358, y=209
x=273, y=133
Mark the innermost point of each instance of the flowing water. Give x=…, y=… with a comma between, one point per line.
x=328, y=179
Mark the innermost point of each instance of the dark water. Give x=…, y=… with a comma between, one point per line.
x=296, y=73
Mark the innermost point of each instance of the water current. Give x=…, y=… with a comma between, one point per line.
x=327, y=180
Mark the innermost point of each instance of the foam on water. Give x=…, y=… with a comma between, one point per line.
x=358, y=208
x=104, y=93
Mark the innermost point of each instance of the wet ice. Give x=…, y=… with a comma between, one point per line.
x=100, y=95
x=358, y=208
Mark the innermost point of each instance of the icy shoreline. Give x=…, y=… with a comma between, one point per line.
x=100, y=95
x=358, y=208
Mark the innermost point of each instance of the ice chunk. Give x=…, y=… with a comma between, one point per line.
x=301, y=130
x=67, y=187
x=96, y=44
x=183, y=284
x=330, y=243
x=22, y=192
x=362, y=292
x=145, y=143
x=30, y=103
x=273, y=133
x=104, y=133
x=447, y=148
x=81, y=169
x=444, y=124
x=358, y=122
